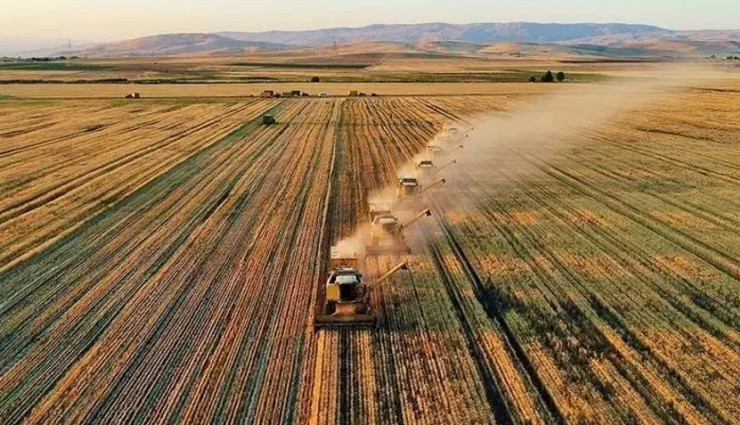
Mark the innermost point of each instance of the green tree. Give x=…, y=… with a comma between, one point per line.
x=560, y=76
x=547, y=78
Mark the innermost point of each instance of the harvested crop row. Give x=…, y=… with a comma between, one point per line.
x=153, y=256
x=614, y=291
x=533, y=297
x=56, y=204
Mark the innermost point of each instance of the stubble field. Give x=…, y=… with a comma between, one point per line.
x=159, y=263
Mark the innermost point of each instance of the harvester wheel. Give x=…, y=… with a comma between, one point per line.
x=330, y=307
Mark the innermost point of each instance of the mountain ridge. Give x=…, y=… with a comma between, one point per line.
x=594, y=37
x=481, y=33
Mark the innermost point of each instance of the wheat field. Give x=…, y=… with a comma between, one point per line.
x=159, y=259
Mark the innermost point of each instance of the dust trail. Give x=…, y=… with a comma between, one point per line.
x=353, y=246
x=551, y=124
x=541, y=128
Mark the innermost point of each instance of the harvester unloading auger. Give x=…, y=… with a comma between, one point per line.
x=387, y=234
x=433, y=185
x=346, y=296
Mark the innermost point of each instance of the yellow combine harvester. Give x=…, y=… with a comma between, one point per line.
x=409, y=192
x=428, y=170
x=453, y=136
x=386, y=234
x=345, y=295
x=437, y=151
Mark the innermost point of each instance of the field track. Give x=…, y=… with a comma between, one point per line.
x=158, y=264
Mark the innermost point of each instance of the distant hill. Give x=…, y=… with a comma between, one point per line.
x=485, y=33
x=620, y=40
x=16, y=46
x=178, y=44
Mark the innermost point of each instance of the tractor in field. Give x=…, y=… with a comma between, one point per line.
x=345, y=297
x=387, y=234
x=268, y=119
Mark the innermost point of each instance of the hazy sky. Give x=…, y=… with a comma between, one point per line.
x=117, y=19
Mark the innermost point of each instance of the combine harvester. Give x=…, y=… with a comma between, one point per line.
x=427, y=169
x=409, y=192
x=346, y=296
x=453, y=136
x=447, y=143
x=386, y=234
x=438, y=152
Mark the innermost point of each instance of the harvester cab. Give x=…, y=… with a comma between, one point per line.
x=344, y=298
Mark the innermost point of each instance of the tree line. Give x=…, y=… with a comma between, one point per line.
x=548, y=77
